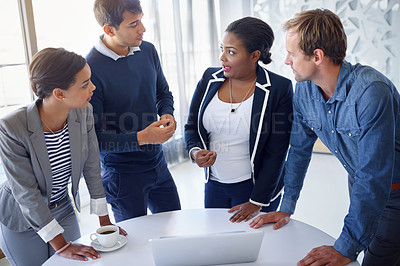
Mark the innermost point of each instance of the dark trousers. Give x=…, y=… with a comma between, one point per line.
x=220, y=195
x=385, y=246
x=130, y=194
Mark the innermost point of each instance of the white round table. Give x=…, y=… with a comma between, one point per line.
x=285, y=246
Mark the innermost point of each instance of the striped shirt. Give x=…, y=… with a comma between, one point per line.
x=59, y=150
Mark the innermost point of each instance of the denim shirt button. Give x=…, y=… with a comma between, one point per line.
x=329, y=112
x=344, y=165
x=312, y=128
x=349, y=134
x=336, y=151
x=333, y=131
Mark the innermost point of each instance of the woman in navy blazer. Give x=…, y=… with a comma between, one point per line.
x=246, y=41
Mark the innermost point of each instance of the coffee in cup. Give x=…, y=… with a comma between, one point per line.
x=107, y=236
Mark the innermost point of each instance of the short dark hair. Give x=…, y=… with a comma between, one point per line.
x=255, y=34
x=320, y=29
x=54, y=68
x=110, y=12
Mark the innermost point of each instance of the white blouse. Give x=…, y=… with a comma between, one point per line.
x=229, y=135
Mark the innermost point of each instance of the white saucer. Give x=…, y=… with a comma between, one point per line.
x=121, y=242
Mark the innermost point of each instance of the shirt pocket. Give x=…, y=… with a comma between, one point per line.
x=313, y=126
x=349, y=132
x=347, y=124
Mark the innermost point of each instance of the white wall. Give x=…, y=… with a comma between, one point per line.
x=231, y=10
x=372, y=28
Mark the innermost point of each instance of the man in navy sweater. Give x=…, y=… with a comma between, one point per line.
x=131, y=92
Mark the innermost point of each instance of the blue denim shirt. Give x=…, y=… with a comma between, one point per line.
x=360, y=126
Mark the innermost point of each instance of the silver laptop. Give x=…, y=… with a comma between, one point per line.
x=207, y=249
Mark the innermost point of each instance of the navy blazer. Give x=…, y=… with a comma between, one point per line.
x=269, y=128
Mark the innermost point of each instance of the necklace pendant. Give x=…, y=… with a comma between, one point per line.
x=233, y=110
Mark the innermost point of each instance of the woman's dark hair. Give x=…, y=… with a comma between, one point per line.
x=255, y=34
x=54, y=68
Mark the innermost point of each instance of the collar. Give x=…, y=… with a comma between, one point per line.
x=103, y=49
x=341, y=86
x=263, y=79
x=34, y=122
x=341, y=92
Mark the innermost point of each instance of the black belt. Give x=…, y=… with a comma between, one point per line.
x=58, y=203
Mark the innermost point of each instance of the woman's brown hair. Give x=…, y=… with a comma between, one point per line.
x=54, y=68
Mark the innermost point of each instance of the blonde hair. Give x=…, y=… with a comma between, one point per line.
x=320, y=29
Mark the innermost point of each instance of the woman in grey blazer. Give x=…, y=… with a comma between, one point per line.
x=43, y=147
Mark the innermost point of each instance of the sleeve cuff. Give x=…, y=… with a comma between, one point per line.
x=50, y=231
x=259, y=203
x=98, y=207
x=266, y=204
x=167, y=111
x=287, y=205
x=348, y=247
x=190, y=152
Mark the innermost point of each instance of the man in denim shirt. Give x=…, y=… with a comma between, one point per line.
x=354, y=110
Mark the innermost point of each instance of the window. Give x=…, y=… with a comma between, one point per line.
x=14, y=86
x=180, y=34
x=68, y=24
x=185, y=40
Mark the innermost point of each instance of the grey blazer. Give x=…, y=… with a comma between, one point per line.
x=24, y=197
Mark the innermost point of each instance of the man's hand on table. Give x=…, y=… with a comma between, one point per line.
x=324, y=255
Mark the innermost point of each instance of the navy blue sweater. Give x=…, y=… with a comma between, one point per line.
x=129, y=94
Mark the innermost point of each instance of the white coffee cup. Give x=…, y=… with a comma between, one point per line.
x=106, y=235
